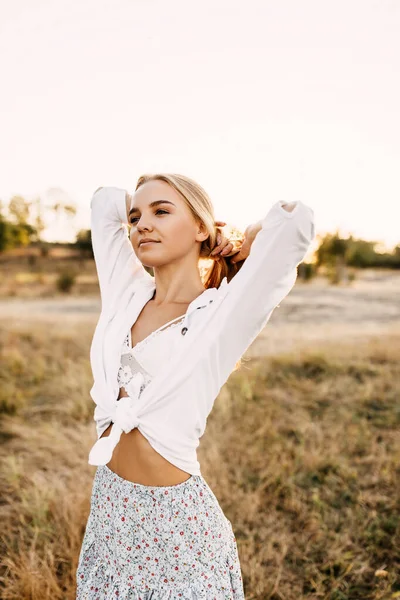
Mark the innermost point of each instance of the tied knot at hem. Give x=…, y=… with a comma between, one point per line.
x=124, y=420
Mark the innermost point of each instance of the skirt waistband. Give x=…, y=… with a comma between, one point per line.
x=195, y=483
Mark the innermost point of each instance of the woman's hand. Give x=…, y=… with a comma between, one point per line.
x=237, y=252
x=225, y=247
x=251, y=232
x=249, y=236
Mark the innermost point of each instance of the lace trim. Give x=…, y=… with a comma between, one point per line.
x=129, y=365
x=143, y=343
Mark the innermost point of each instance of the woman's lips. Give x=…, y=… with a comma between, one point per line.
x=147, y=243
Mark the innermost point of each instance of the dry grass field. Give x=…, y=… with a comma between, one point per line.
x=302, y=447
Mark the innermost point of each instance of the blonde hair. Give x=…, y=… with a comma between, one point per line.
x=199, y=202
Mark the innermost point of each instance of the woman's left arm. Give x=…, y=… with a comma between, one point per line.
x=277, y=245
x=249, y=237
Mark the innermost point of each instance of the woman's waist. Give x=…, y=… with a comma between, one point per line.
x=135, y=459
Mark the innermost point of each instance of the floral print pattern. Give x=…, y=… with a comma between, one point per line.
x=157, y=543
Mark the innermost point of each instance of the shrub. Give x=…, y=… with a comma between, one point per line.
x=306, y=271
x=65, y=281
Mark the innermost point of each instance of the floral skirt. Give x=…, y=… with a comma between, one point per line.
x=157, y=543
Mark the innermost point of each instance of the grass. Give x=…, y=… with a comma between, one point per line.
x=302, y=451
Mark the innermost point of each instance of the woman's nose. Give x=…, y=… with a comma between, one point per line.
x=142, y=224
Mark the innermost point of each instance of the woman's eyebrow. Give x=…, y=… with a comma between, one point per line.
x=154, y=203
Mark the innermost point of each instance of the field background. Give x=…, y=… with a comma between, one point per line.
x=302, y=447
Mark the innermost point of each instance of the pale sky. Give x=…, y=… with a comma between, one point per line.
x=257, y=100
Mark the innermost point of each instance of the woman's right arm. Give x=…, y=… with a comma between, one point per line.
x=116, y=262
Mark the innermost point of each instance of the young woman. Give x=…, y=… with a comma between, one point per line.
x=163, y=347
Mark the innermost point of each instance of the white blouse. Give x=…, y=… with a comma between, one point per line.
x=218, y=327
x=146, y=356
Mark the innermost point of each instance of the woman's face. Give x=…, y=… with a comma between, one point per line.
x=170, y=223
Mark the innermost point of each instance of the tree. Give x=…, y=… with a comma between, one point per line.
x=84, y=242
x=19, y=209
x=25, y=221
x=15, y=230
x=13, y=235
x=338, y=253
x=60, y=203
x=332, y=253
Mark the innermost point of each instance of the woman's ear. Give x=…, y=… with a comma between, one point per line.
x=202, y=233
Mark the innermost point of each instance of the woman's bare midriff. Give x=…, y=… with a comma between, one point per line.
x=136, y=460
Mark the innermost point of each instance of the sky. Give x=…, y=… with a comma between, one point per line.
x=258, y=101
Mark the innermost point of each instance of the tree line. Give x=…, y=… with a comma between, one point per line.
x=22, y=222
x=24, y=225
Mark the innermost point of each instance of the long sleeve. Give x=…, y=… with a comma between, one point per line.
x=266, y=277
x=116, y=262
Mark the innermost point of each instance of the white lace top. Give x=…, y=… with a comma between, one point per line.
x=147, y=355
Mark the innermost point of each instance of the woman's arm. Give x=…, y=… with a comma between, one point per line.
x=250, y=235
x=116, y=262
x=280, y=243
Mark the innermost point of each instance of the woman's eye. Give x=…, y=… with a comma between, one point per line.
x=160, y=210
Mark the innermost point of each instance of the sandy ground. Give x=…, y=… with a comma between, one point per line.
x=311, y=314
